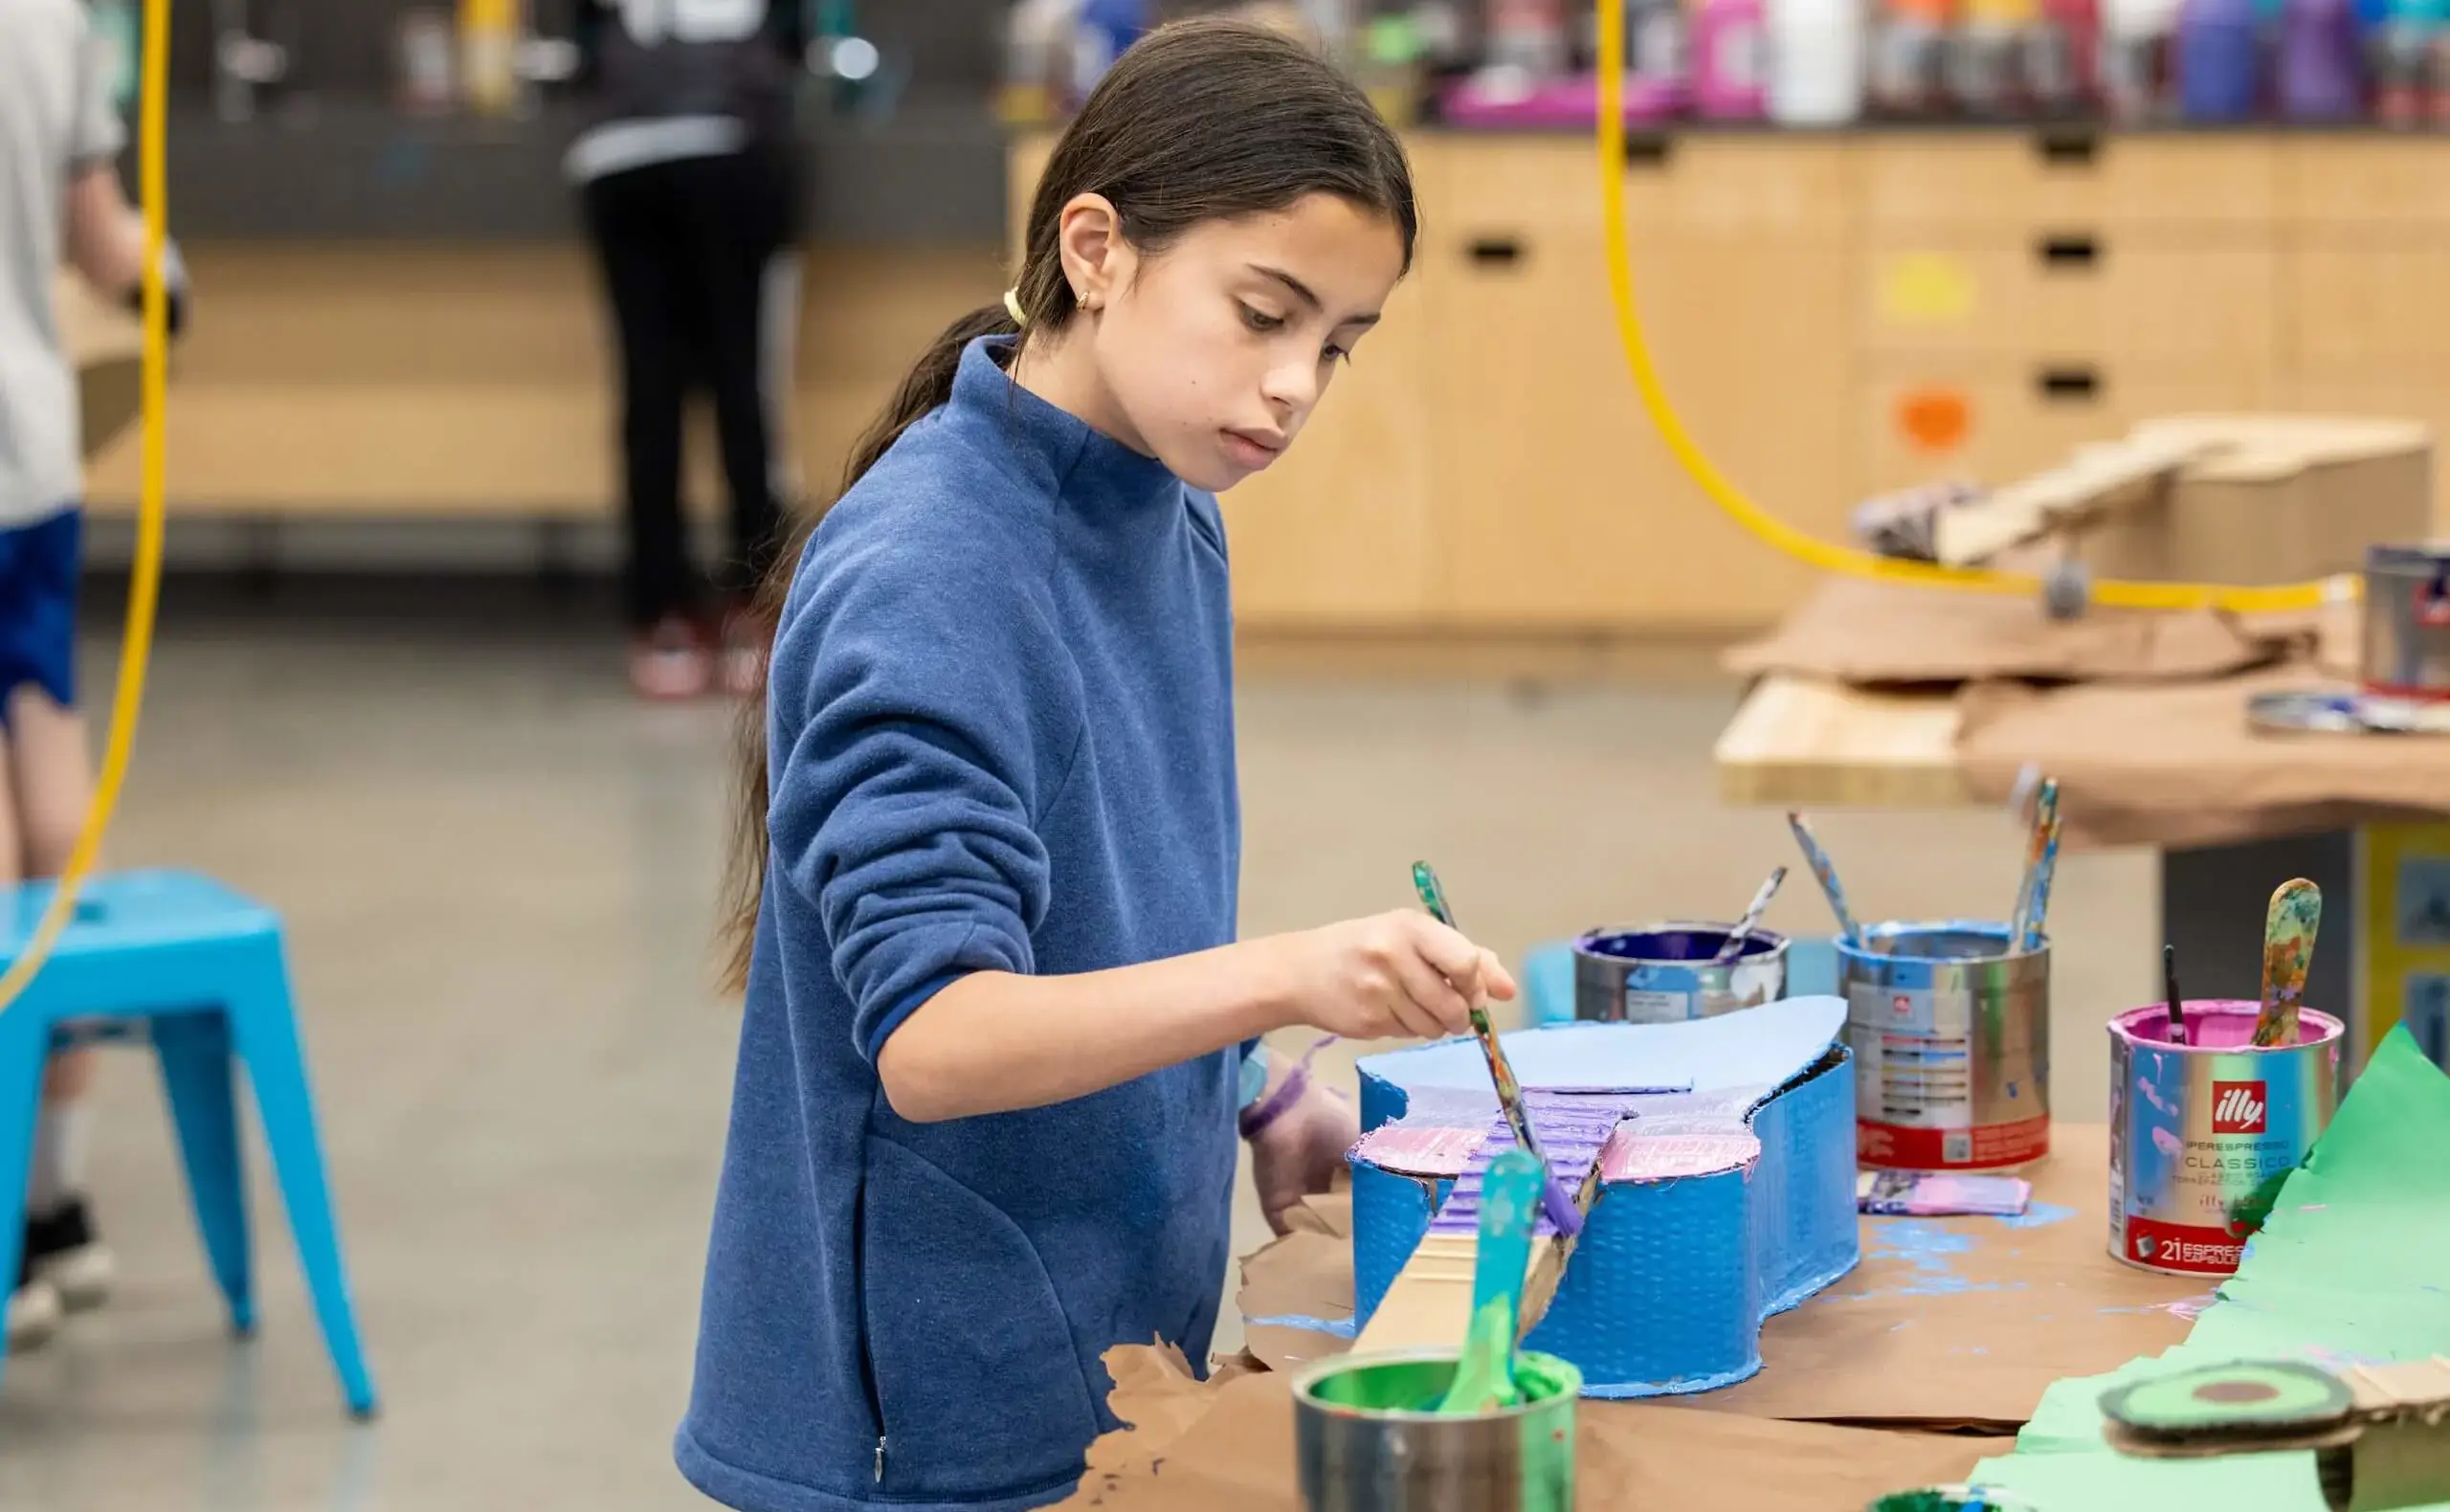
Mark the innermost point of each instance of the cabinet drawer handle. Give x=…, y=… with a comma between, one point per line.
x=1495, y=252
x=2073, y=383
x=2069, y=146
x=1648, y=149
x=2069, y=253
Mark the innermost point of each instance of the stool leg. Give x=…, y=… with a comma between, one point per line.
x=25, y=1047
x=197, y=1079
x=267, y=1041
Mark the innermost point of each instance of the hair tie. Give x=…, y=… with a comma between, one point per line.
x=1013, y=307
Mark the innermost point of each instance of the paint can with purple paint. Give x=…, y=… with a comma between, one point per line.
x=2202, y=1134
x=1951, y=1030
x=1666, y=972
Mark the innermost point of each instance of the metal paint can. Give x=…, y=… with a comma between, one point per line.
x=2407, y=621
x=1661, y=973
x=2202, y=1134
x=1367, y=1437
x=1949, y=1498
x=1951, y=1030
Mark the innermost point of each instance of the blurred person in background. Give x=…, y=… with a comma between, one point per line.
x=691, y=184
x=59, y=195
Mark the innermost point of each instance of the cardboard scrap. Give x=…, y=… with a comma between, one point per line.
x=1236, y=1453
x=2177, y=765
x=1948, y=1322
x=2349, y=1270
x=1861, y=632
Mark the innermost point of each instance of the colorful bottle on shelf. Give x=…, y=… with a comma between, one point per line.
x=1983, y=55
x=2322, y=74
x=2219, y=61
x=1816, y=61
x=1728, y=37
x=1655, y=58
x=2405, y=74
x=2061, y=72
x=2137, y=39
x=1908, y=39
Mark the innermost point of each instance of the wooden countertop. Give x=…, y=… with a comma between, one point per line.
x=1799, y=743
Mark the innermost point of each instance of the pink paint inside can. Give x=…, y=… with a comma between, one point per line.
x=2218, y=1025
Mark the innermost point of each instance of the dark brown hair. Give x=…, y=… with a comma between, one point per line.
x=1201, y=121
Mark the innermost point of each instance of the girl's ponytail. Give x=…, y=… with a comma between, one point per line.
x=1200, y=121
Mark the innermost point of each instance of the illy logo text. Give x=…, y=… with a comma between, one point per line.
x=2238, y=1107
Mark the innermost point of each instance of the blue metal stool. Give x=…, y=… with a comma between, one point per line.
x=1547, y=976
x=197, y=969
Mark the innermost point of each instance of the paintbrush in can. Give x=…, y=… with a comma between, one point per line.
x=2045, y=819
x=2170, y=987
x=2288, y=932
x=1826, y=872
x=1745, y=925
x=1555, y=1201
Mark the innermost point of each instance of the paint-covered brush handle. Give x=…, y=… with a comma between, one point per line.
x=1558, y=1203
x=1744, y=926
x=2038, y=911
x=1509, y=1208
x=2045, y=815
x=2289, y=929
x=1826, y=872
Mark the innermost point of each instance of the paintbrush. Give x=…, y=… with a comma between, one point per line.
x=2288, y=933
x=2170, y=985
x=1509, y=1200
x=1734, y=945
x=1827, y=872
x=2045, y=813
x=1556, y=1202
x=2037, y=908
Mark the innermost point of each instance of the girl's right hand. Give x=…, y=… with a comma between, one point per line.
x=1398, y=973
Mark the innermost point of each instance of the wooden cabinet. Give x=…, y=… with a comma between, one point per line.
x=1555, y=502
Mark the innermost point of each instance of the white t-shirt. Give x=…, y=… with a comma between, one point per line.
x=56, y=118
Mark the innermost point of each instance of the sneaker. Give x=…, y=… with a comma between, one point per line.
x=63, y=1250
x=670, y=662
x=34, y=1313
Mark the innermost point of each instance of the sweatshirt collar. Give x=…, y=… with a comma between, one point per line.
x=1075, y=457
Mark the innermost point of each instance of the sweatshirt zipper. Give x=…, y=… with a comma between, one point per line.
x=860, y=1305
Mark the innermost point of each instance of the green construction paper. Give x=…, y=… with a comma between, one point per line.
x=2350, y=1268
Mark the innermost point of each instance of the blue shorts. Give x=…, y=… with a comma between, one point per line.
x=39, y=567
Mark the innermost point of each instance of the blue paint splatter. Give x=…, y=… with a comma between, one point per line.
x=1338, y=1327
x=2040, y=1215
x=1927, y=1248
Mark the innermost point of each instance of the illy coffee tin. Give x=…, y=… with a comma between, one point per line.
x=1661, y=973
x=1951, y=1030
x=2407, y=621
x=2202, y=1134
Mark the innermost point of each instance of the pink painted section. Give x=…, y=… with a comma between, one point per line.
x=2217, y=1024
x=1632, y=1155
x=1419, y=1152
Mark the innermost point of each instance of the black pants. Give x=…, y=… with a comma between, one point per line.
x=686, y=248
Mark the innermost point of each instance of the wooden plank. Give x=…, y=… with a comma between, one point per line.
x=1429, y=1306
x=1799, y=743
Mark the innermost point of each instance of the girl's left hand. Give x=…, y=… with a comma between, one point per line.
x=1298, y=1152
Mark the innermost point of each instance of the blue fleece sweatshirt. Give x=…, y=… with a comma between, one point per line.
x=1001, y=738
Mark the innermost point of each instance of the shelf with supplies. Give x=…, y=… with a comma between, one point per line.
x=1834, y=314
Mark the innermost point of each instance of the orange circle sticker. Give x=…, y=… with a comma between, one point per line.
x=1934, y=420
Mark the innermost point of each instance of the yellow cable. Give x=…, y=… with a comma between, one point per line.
x=1768, y=528
x=144, y=578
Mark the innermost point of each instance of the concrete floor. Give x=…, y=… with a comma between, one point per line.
x=497, y=872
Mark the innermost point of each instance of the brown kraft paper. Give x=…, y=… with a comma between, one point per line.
x=1854, y=631
x=2176, y=766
